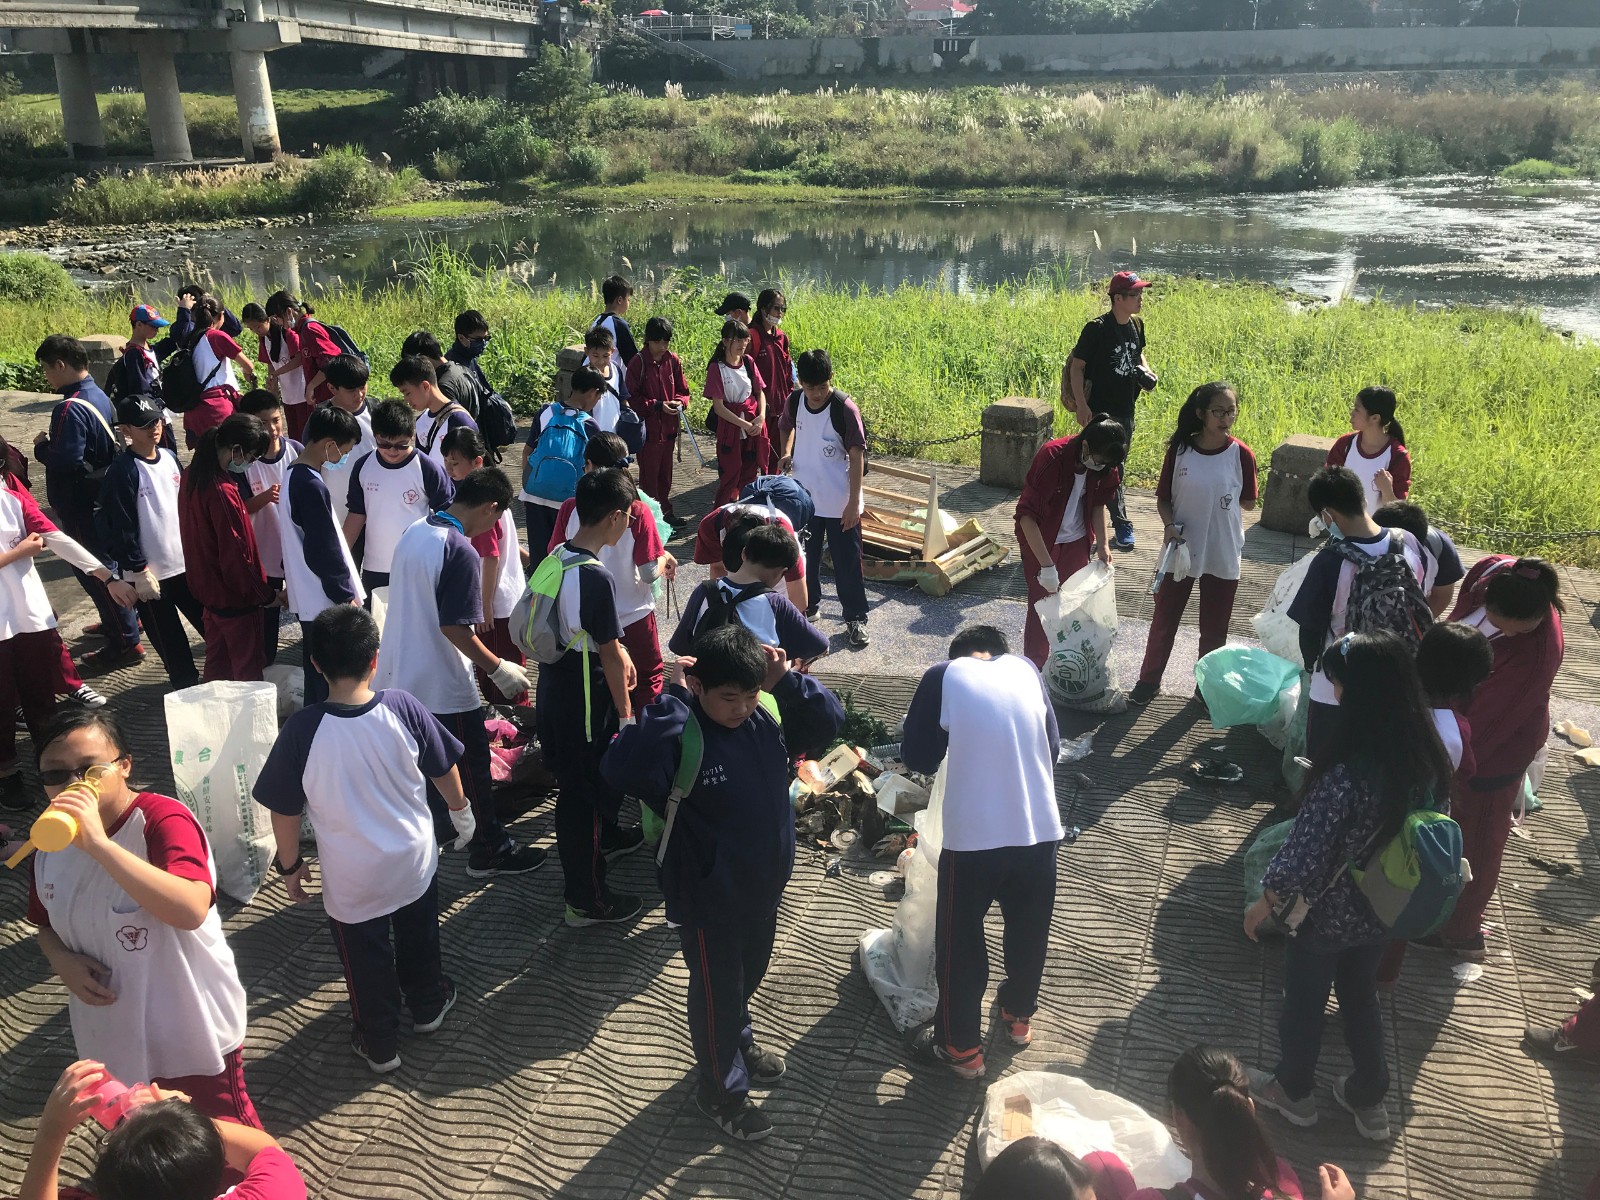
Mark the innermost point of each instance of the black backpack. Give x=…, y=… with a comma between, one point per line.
x=722, y=608
x=346, y=343
x=181, y=388
x=839, y=415
x=496, y=421
x=118, y=383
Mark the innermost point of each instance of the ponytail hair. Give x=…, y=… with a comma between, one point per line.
x=1381, y=403
x=1524, y=589
x=1107, y=440
x=1209, y=1087
x=1192, y=416
x=241, y=431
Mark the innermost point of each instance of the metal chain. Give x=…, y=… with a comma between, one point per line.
x=894, y=444
x=1519, y=535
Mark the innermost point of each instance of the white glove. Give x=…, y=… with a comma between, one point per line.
x=1050, y=578
x=625, y=722
x=509, y=679
x=145, y=584
x=466, y=825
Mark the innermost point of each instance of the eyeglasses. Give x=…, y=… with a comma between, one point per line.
x=57, y=776
x=776, y=312
x=392, y=445
x=1222, y=414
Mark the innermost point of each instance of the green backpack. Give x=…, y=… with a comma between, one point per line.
x=536, y=620
x=693, y=748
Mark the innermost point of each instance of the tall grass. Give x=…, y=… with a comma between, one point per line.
x=1503, y=415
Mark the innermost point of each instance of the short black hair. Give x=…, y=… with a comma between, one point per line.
x=252, y=312
x=1034, y=1167
x=605, y=450
x=347, y=371
x=601, y=493
x=394, y=418
x=342, y=641
x=586, y=379
x=599, y=337
x=63, y=348
x=736, y=530
x=168, y=1149
x=979, y=639
x=470, y=322
x=728, y=654
x=1338, y=489
x=485, y=485
x=770, y=546
x=328, y=421
x=414, y=370
x=257, y=401
x=69, y=718
x=192, y=289
x=1452, y=660
x=615, y=288
x=814, y=367
x=463, y=440
x=421, y=344
x=658, y=329
x=1403, y=514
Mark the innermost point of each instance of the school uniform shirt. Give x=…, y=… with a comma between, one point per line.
x=24, y=606
x=338, y=478
x=393, y=497
x=219, y=548
x=1060, y=493
x=638, y=548
x=736, y=387
x=822, y=456
x=319, y=571
x=138, y=517
x=81, y=444
x=180, y=1009
x=213, y=361
x=613, y=395
x=652, y=383
x=317, y=350
x=1205, y=489
x=771, y=352
x=1456, y=734
x=433, y=428
x=992, y=725
x=773, y=619
x=271, y=1175
x=501, y=542
x=709, y=534
x=260, y=476
x=360, y=773
x=1441, y=561
x=1393, y=458
x=435, y=579
x=1111, y=352
x=291, y=384
x=143, y=370
x=535, y=429
x=625, y=350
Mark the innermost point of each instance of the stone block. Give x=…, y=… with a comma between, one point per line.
x=568, y=360
x=1013, y=431
x=1283, y=505
x=104, y=349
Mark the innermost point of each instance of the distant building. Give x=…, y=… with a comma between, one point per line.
x=945, y=12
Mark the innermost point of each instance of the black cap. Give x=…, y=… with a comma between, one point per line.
x=734, y=302
x=139, y=411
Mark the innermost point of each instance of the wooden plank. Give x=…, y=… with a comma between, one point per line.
x=933, y=540
x=879, y=467
x=911, y=502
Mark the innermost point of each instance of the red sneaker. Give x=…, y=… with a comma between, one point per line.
x=1018, y=1029
x=965, y=1064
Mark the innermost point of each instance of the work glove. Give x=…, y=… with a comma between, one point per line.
x=466, y=825
x=1049, y=578
x=509, y=679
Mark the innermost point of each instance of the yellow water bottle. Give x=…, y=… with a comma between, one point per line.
x=56, y=830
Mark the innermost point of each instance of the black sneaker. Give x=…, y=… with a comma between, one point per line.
x=622, y=907
x=429, y=1026
x=739, y=1119
x=811, y=613
x=856, y=633
x=765, y=1066
x=103, y=662
x=1142, y=694
x=513, y=860
x=380, y=1066
x=616, y=842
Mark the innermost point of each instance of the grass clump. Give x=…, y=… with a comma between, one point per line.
x=34, y=279
x=1536, y=170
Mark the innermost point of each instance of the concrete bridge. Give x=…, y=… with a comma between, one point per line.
x=488, y=36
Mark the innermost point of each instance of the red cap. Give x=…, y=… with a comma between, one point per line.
x=1126, y=281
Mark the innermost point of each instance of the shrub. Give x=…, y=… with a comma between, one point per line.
x=631, y=167
x=1536, y=170
x=34, y=279
x=446, y=166
x=340, y=180
x=448, y=120
x=585, y=163
x=509, y=151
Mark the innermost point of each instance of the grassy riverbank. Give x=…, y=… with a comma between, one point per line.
x=1503, y=415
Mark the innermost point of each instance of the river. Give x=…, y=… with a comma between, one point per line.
x=1432, y=241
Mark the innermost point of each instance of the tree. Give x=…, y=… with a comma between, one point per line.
x=557, y=88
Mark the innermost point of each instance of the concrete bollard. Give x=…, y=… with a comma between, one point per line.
x=104, y=350
x=1013, y=431
x=568, y=360
x=1283, y=506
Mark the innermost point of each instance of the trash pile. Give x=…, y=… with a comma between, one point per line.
x=854, y=797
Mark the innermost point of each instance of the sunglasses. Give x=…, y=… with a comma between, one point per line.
x=58, y=776
x=392, y=445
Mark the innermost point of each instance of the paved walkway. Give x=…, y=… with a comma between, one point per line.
x=565, y=1071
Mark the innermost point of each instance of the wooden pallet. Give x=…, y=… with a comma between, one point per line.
x=900, y=541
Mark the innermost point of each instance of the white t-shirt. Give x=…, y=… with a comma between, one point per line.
x=435, y=579
x=291, y=384
x=393, y=497
x=1072, y=518
x=338, y=478
x=609, y=407
x=267, y=520
x=821, y=460
x=24, y=606
x=1444, y=720
x=1206, y=491
x=634, y=597
x=205, y=361
x=157, y=503
x=509, y=584
x=310, y=534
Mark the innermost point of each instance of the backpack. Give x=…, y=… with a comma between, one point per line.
x=181, y=388
x=1414, y=880
x=536, y=620
x=690, y=756
x=496, y=421
x=838, y=414
x=1384, y=594
x=631, y=430
x=346, y=343
x=556, y=463
x=436, y=430
x=722, y=607
x=785, y=494
x=118, y=383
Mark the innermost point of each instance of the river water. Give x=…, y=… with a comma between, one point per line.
x=1432, y=241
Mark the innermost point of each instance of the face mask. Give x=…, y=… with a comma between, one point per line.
x=477, y=346
x=1335, y=534
x=238, y=468
x=341, y=463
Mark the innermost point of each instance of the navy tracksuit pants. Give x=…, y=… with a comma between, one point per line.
x=390, y=959
x=1023, y=880
x=726, y=965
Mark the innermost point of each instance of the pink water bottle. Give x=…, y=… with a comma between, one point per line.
x=113, y=1102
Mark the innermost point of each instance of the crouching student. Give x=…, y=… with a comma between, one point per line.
x=986, y=715
x=358, y=766
x=714, y=764
x=757, y=555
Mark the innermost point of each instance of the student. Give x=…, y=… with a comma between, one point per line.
x=316, y=346
x=347, y=378
x=581, y=700
x=503, y=570
x=76, y=451
x=183, y=324
x=164, y=1147
x=728, y=849
x=1375, y=448
x=826, y=446
x=552, y=458
x=1063, y=505
x=1356, y=795
x=472, y=339
x=1035, y=1168
x=32, y=656
x=1516, y=603
x=357, y=766
x=986, y=715
x=437, y=414
x=617, y=293
x=225, y=572
x=739, y=405
x=658, y=392
x=391, y=489
x=735, y=306
x=280, y=351
x=1335, y=495
x=435, y=600
x=215, y=356
x=711, y=534
x=599, y=345
x=138, y=372
x=139, y=527
x=319, y=569
x=1441, y=563
x=265, y=480
x=164, y=1004
x=254, y=318
x=759, y=555
x=456, y=382
x=769, y=346
x=1207, y=482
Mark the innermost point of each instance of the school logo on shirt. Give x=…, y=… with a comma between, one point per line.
x=133, y=937
x=411, y=496
x=829, y=450
x=1227, y=501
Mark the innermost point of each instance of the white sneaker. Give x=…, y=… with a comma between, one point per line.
x=88, y=696
x=378, y=1068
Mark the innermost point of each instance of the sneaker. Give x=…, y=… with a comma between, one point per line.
x=87, y=696
x=431, y=1026
x=1018, y=1029
x=103, y=662
x=94, y=630
x=1470, y=949
x=765, y=1066
x=513, y=860
x=1266, y=1091
x=379, y=1067
x=925, y=1047
x=856, y=632
x=623, y=907
x=1142, y=694
x=813, y=611
x=1552, y=1045
x=1372, y=1121
x=1123, y=538
x=740, y=1118
x=616, y=842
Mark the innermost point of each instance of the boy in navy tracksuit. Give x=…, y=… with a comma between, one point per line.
x=728, y=848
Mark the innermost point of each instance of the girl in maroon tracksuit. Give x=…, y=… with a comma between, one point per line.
x=737, y=392
x=1063, y=501
x=658, y=392
x=225, y=572
x=769, y=346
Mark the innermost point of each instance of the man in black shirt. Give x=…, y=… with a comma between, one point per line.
x=1106, y=372
x=455, y=381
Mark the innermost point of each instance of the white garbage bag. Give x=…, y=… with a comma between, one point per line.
x=898, y=961
x=380, y=607
x=1080, y=623
x=219, y=734
x=1277, y=632
x=1082, y=1119
x=290, y=682
x=1278, y=730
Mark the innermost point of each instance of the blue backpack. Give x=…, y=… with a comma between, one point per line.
x=1414, y=880
x=784, y=493
x=556, y=464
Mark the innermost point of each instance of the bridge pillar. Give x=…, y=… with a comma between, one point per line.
x=163, y=102
x=252, y=92
x=80, y=111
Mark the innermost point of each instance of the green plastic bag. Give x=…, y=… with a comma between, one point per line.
x=1256, y=861
x=1240, y=684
